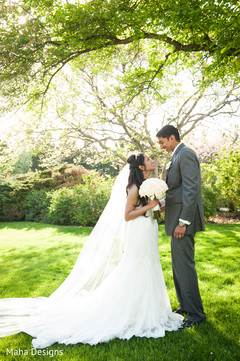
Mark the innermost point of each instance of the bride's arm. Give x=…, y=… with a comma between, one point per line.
x=130, y=211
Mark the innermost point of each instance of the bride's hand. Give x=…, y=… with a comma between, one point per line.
x=153, y=203
x=162, y=209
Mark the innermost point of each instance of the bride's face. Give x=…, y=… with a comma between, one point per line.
x=149, y=163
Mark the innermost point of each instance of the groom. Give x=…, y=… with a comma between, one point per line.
x=183, y=218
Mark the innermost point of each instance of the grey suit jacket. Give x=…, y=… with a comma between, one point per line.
x=183, y=198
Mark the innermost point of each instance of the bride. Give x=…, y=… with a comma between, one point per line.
x=116, y=288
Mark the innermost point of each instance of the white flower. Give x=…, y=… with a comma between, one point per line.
x=153, y=188
x=168, y=165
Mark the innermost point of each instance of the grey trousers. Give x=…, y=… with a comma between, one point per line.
x=185, y=277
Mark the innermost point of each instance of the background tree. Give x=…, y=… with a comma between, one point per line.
x=6, y=159
x=23, y=164
x=89, y=119
x=39, y=37
x=127, y=55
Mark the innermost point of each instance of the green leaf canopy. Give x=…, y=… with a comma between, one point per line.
x=39, y=37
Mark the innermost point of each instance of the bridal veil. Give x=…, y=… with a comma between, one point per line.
x=100, y=254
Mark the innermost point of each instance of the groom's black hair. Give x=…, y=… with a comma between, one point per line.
x=167, y=131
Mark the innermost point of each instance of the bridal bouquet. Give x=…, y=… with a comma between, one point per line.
x=153, y=188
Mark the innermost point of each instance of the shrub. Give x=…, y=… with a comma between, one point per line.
x=223, y=177
x=5, y=201
x=37, y=198
x=45, y=174
x=209, y=196
x=45, y=183
x=82, y=204
x=90, y=203
x=228, y=177
x=61, y=207
x=36, y=206
x=11, y=202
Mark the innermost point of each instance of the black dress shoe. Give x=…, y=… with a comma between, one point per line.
x=190, y=324
x=187, y=324
x=179, y=310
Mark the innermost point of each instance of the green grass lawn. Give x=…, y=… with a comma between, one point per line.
x=36, y=258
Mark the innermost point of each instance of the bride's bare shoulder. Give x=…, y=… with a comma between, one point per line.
x=132, y=196
x=133, y=190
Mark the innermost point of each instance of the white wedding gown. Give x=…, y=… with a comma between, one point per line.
x=128, y=299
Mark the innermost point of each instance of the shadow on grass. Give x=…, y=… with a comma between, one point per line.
x=28, y=226
x=232, y=230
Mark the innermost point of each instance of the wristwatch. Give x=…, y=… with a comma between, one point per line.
x=182, y=224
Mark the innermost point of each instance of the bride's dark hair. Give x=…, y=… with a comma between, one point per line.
x=136, y=174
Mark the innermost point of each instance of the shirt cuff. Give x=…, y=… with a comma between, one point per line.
x=162, y=202
x=184, y=221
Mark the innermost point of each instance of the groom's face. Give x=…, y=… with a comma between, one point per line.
x=166, y=144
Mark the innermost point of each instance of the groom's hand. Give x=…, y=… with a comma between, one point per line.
x=179, y=231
